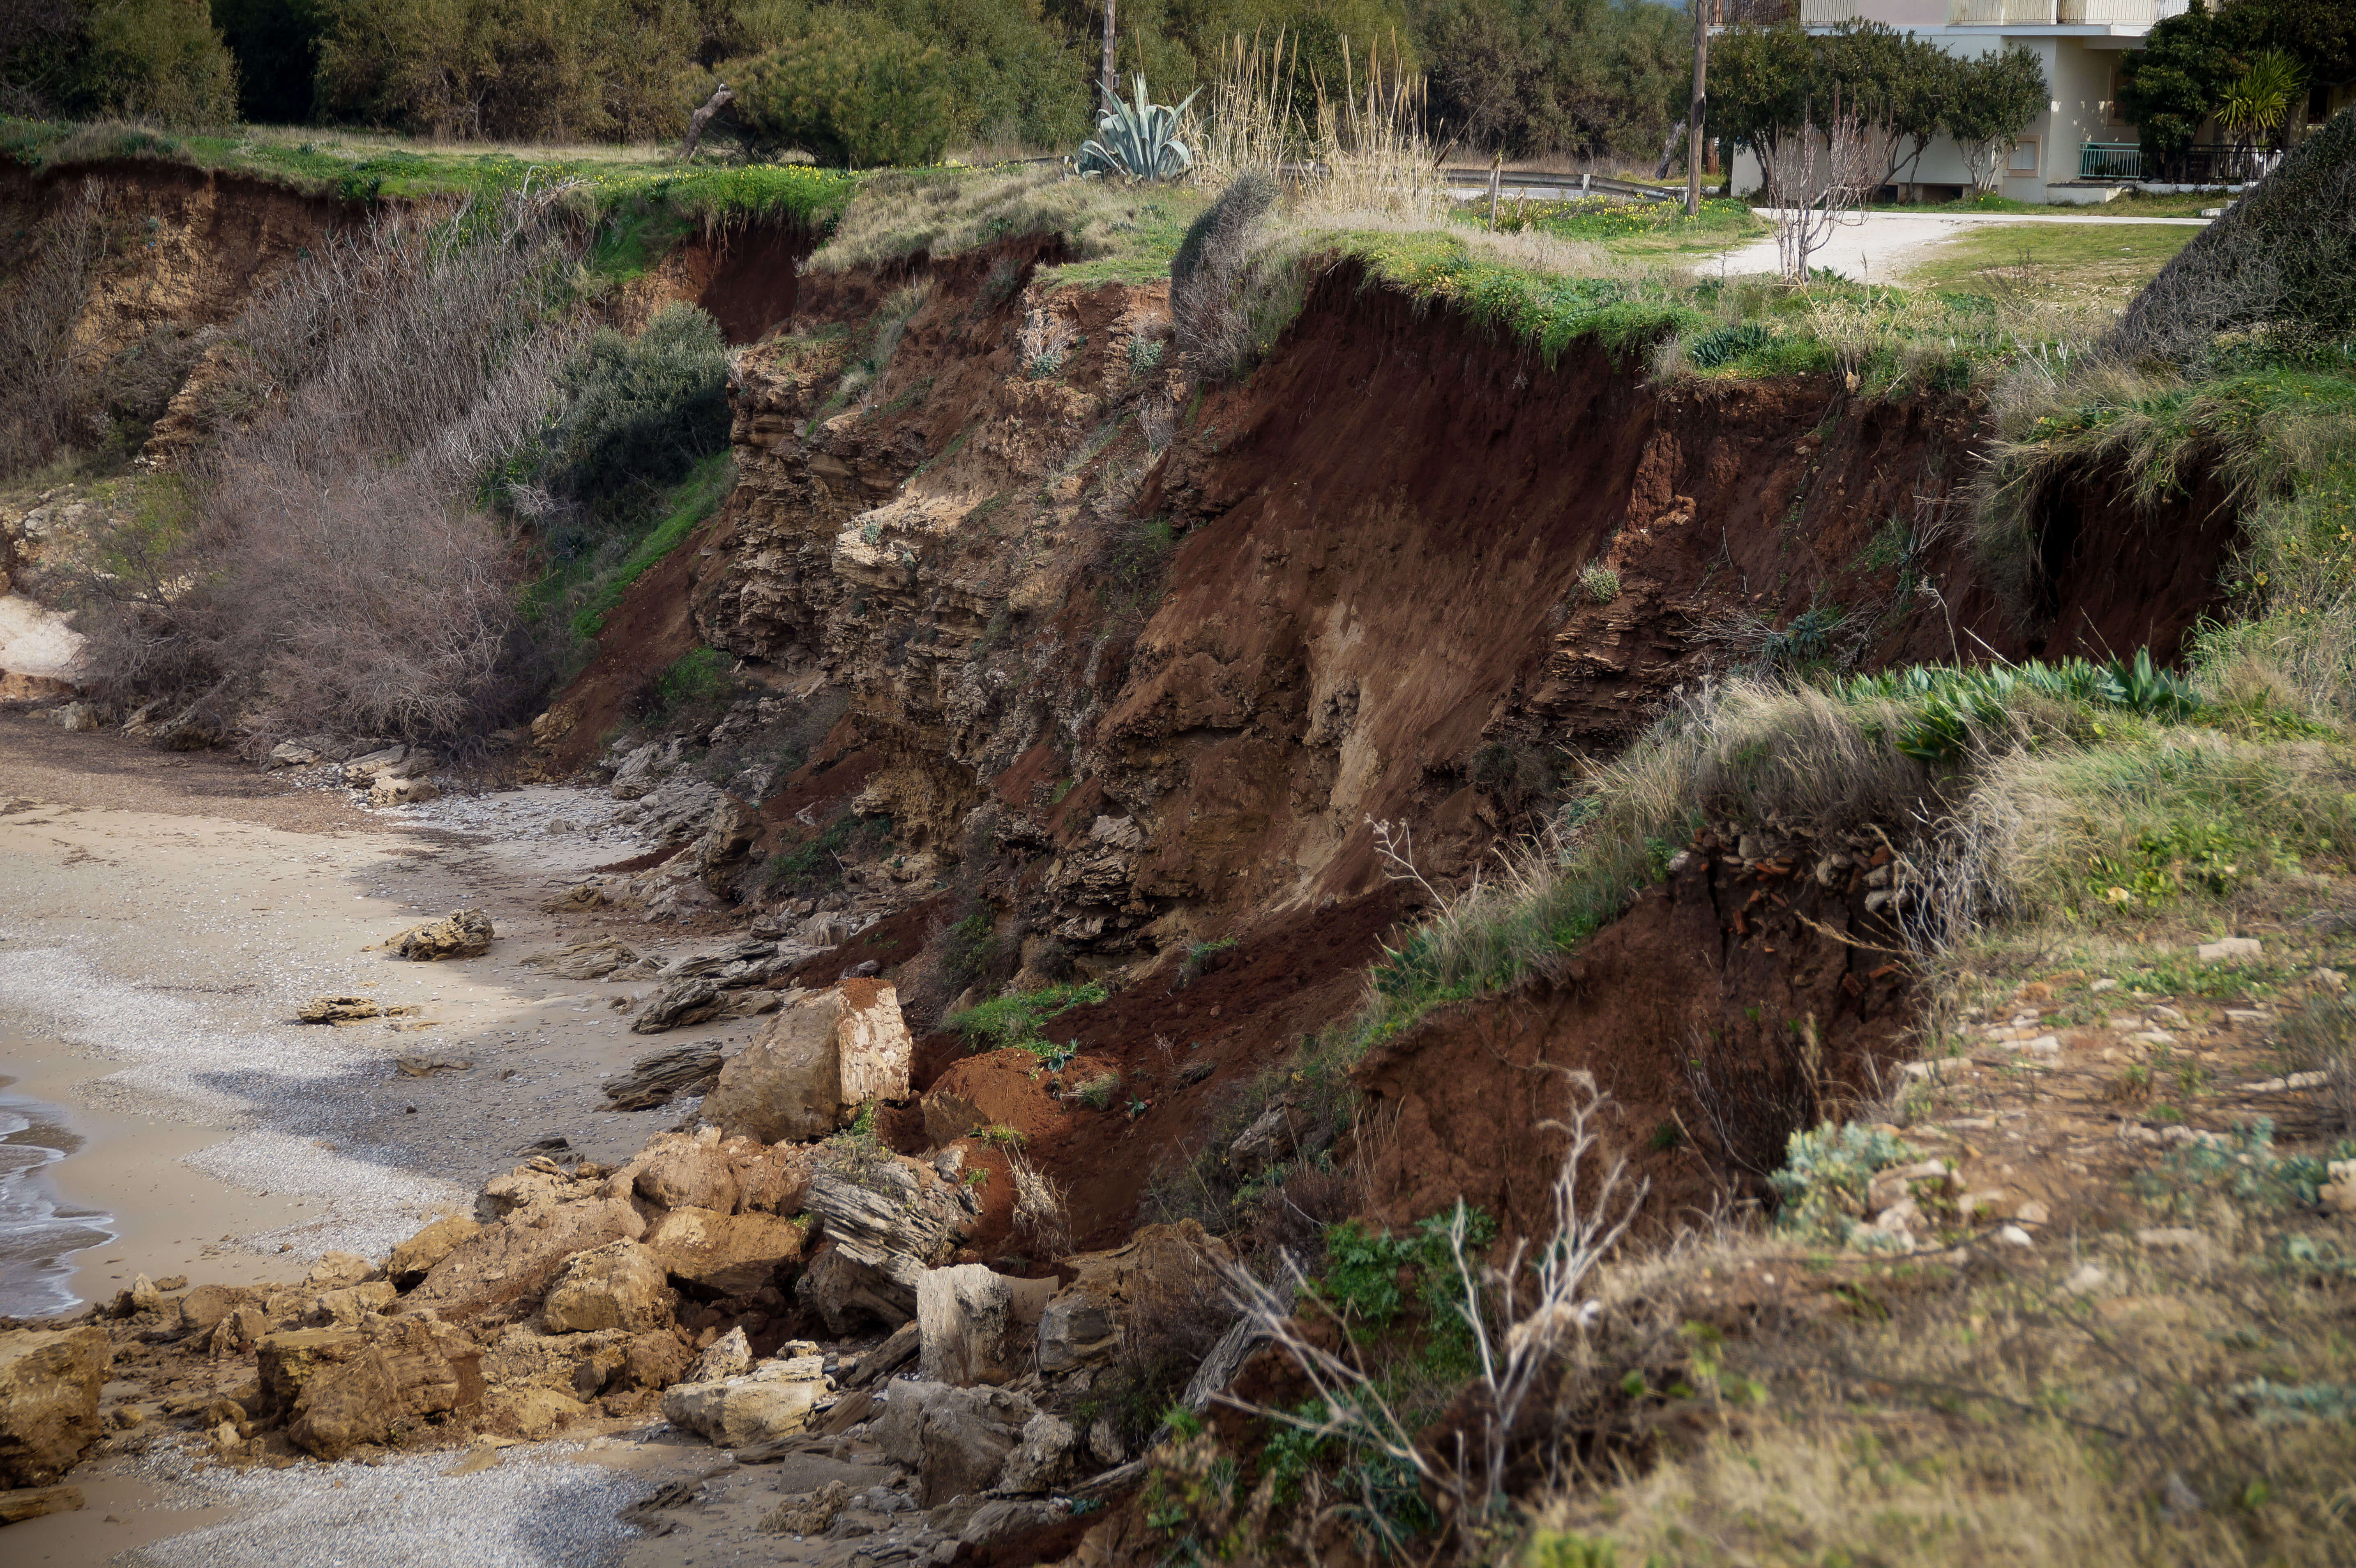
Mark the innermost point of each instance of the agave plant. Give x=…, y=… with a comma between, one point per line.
x=1137, y=141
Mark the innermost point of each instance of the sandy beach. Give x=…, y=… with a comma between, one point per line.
x=161, y=917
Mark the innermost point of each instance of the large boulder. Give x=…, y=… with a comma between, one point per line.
x=397, y=1376
x=686, y=1173
x=514, y=1259
x=975, y=1324
x=202, y=1308
x=773, y=1401
x=661, y=1077
x=593, y=958
x=620, y=1285
x=956, y=1440
x=814, y=1064
x=723, y=1254
x=466, y=933
x=49, y=1401
x=887, y=1220
x=411, y=1259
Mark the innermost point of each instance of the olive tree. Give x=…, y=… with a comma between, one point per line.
x=1997, y=97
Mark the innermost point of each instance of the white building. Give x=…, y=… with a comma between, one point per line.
x=2079, y=150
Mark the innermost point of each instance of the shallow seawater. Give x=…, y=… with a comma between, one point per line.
x=39, y=1233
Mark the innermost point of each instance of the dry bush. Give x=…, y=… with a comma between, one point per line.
x=947, y=212
x=1214, y=275
x=42, y=378
x=2319, y=1036
x=1367, y=152
x=1042, y=1219
x=323, y=569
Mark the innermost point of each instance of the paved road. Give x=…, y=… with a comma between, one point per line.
x=1885, y=244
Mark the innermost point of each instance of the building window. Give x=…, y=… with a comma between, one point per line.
x=2024, y=157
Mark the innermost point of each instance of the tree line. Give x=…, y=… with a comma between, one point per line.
x=891, y=80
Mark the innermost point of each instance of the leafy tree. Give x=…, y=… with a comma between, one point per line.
x=1996, y=96
x=277, y=43
x=1533, y=76
x=2260, y=100
x=2176, y=81
x=2321, y=34
x=854, y=94
x=41, y=44
x=160, y=59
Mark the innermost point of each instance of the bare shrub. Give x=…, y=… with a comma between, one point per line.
x=41, y=377
x=1520, y=1309
x=323, y=571
x=1815, y=178
x=1212, y=277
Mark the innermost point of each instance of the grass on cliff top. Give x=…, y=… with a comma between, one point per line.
x=359, y=166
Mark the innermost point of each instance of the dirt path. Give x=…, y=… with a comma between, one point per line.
x=1883, y=245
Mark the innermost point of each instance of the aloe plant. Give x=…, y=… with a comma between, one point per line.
x=1137, y=141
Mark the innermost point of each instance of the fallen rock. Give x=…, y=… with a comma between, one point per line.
x=402, y=791
x=808, y=1513
x=338, y=1010
x=206, y=1305
x=685, y=1173
x=1004, y=1519
x=32, y=1502
x=1047, y=1458
x=294, y=754
x=592, y=959
x=724, y=1254
x=620, y=1285
x=2232, y=949
x=345, y=1307
x=679, y=1004
x=887, y=1220
x=406, y=1371
x=956, y=1440
x=333, y=1271
x=465, y=933
x=1164, y=1263
x=659, y=1077
x=772, y=1402
x=814, y=1064
x=424, y=1066
x=734, y=827
x=729, y=1356
x=972, y=1324
x=515, y=1258
x=437, y=1240
x=49, y=1401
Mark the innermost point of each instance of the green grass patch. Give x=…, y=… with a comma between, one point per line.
x=1627, y=228
x=1020, y=1021
x=696, y=498
x=2106, y=256
x=1548, y=312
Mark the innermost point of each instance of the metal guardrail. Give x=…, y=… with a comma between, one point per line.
x=1579, y=185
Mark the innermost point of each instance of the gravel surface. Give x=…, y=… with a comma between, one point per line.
x=532, y=1509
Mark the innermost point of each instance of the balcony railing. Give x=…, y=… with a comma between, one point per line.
x=1997, y=13
x=2212, y=162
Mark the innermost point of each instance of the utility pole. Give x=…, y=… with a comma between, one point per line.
x=1694, y=126
x=1111, y=84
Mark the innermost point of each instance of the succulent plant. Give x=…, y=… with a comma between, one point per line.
x=1137, y=141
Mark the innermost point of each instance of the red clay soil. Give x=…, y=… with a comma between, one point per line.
x=652, y=627
x=754, y=279
x=1302, y=973
x=1716, y=969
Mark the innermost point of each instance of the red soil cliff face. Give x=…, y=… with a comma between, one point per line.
x=1374, y=602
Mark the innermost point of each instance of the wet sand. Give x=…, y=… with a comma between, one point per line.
x=160, y=920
